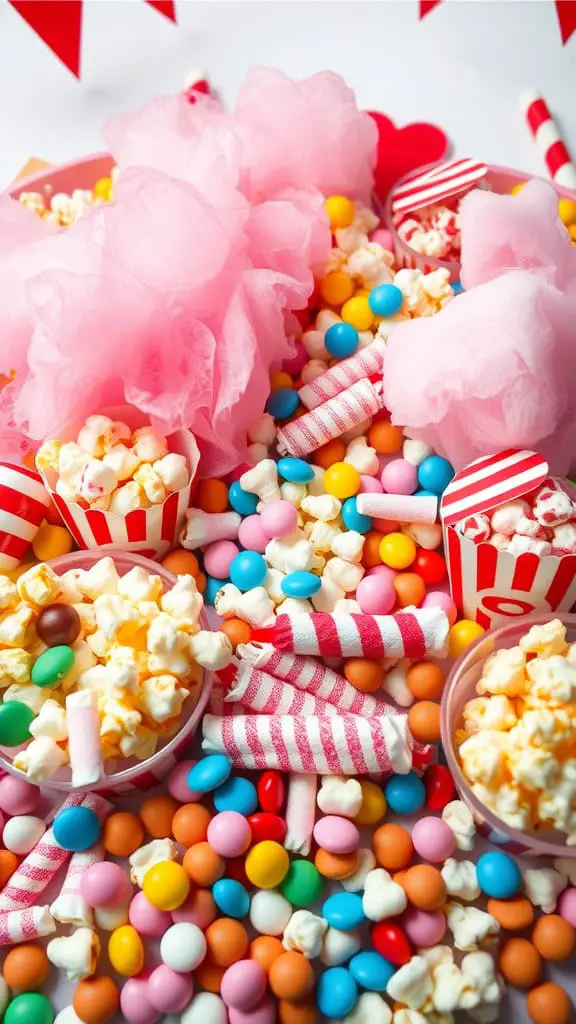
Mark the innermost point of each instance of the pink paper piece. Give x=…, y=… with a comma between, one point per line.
x=332, y=419
x=401, y=508
x=365, y=363
x=416, y=634
x=69, y=907
x=25, y=925
x=300, y=813
x=260, y=692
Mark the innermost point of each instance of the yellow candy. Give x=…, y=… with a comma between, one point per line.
x=126, y=951
x=572, y=233
x=103, y=189
x=517, y=188
x=358, y=313
x=342, y=480
x=341, y=211
x=336, y=288
x=567, y=211
x=280, y=379
x=51, y=542
x=166, y=885
x=373, y=806
x=267, y=864
x=397, y=550
x=461, y=635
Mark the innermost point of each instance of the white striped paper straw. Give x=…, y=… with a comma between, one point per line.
x=69, y=907
x=258, y=691
x=401, y=508
x=364, y=363
x=300, y=813
x=548, y=139
x=415, y=634
x=25, y=925
x=330, y=420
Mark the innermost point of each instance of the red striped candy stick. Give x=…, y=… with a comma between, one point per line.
x=330, y=420
x=401, y=508
x=548, y=139
x=365, y=363
x=300, y=813
x=416, y=634
x=69, y=907
x=321, y=745
x=260, y=692
x=25, y=925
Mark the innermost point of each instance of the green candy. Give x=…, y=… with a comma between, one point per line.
x=51, y=667
x=29, y=1008
x=15, y=720
x=303, y=883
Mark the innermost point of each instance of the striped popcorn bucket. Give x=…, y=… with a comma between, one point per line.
x=23, y=504
x=492, y=586
x=150, y=532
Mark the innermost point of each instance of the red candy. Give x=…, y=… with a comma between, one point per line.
x=390, y=941
x=440, y=789
x=267, y=826
x=271, y=792
x=235, y=868
x=430, y=566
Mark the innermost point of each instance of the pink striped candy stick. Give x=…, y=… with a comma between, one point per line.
x=258, y=691
x=300, y=813
x=321, y=745
x=25, y=925
x=365, y=363
x=401, y=508
x=69, y=907
x=34, y=874
x=330, y=420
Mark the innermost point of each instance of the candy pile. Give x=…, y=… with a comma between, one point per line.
x=243, y=932
x=64, y=210
x=516, y=745
x=95, y=667
x=543, y=522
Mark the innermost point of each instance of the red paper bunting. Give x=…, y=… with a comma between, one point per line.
x=428, y=5
x=166, y=7
x=566, y=10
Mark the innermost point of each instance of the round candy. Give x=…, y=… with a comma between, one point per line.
x=434, y=474
x=209, y=773
x=433, y=839
x=213, y=586
x=263, y=1013
x=103, y=884
x=166, y=885
x=291, y=976
x=206, y=1008
x=513, y=915
x=237, y=794
x=425, y=680
x=409, y=589
x=198, y=908
x=343, y=910
x=336, y=865
x=520, y=963
x=252, y=535
x=147, y=919
x=391, y=942
x=22, y=833
x=567, y=906
x=336, y=992
x=18, y=796
x=237, y=631
x=279, y=518
x=183, y=947
x=76, y=828
x=302, y=884
x=296, y=471
x=425, y=887
x=218, y=558
x=122, y=834
x=96, y=999
x=385, y=438
x=373, y=807
x=353, y=519
x=203, y=865
x=440, y=788
x=405, y=794
x=336, y=287
x=265, y=950
x=423, y=928
x=126, y=951
x=244, y=503
x=461, y=635
x=227, y=941
x=248, y=570
x=554, y=937
x=549, y=1004
x=267, y=865
x=300, y=584
x=358, y=313
x=342, y=480
x=386, y=300
x=336, y=834
x=229, y=834
x=341, y=211
x=231, y=898
x=51, y=541
x=271, y=791
x=178, y=783
x=270, y=912
x=376, y=595
x=15, y=721
x=265, y=825
x=399, y=477
x=498, y=875
x=168, y=990
x=282, y=403
x=392, y=846
x=52, y=665
x=243, y=985
x=397, y=550
x=430, y=566
x=365, y=674
x=424, y=721
x=157, y=813
x=58, y=624
x=371, y=970
x=134, y=1002
x=341, y=340
x=29, y=1008
x=25, y=968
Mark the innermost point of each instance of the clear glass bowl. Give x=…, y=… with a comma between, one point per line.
x=460, y=688
x=133, y=774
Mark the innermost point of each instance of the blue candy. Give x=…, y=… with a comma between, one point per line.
x=209, y=773
x=343, y=910
x=231, y=898
x=212, y=587
x=336, y=993
x=385, y=300
x=295, y=470
x=242, y=501
x=405, y=794
x=457, y=287
x=247, y=570
x=76, y=828
x=341, y=340
x=238, y=794
x=434, y=474
x=282, y=403
x=353, y=519
x=300, y=584
x=498, y=875
x=425, y=494
x=371, y=971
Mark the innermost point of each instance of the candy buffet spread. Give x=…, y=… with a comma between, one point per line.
x=277, y=450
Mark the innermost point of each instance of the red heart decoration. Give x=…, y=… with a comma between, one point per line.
x=401, y=150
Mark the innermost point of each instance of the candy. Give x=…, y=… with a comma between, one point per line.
x=229, y=834
x=231, y=898
x=126, y=951
x=26, y=967
x=22, y=833
x=364, y=363
x=30, y=1006
x=336, y=992
x=391, y=942
x=271, y=791
x=343, y=910
x=433, y=839
x=76, y=828
x=23, y=925
x=399, y=507
x=278, y=518
x=269, y=912
x=282, y=403
x=267, y=826
x=300, y=813
x=166, y=885
x=84, y=746
x=328, y=421
x=52, y=666
x=209, y=773
x=102, y=884
x=434, y=474
x=18, y=796
x=122, y=834
x=147, y=919
x=291, y=976
x=425, y=887
x=295, y=470
x=237, y=794
x=498, y=875
x=371, y=971
x=252, y=535
x=247, y=570
x=205, y=1008
x=58, y=624
x=71, y=906
x=267, y=864
x=15, y=721
x=259, y=691
x=440, y=789
x=405, y=794
x=134, y=1002
x=243, y=985
x=169, y=991
x=218, y=557
x=336, y=835
x=183, y=947
x=302, y=884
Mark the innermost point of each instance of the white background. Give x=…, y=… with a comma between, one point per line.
x=462, y=67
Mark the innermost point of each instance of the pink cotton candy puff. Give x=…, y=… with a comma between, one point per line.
x=243, y=985
x=168, y=991
x=218, y=557
x=18, y=796
x=147, y=919
x=178, y=786
x=252, y=535
x=134, y=1002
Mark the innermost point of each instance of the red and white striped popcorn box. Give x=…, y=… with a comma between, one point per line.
x=24, y=501
x=437, y=184
x=489, y=585
x=150, y=532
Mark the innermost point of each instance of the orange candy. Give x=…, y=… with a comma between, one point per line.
x=392, y=846
x=425, y=680
x=424, y=721
x=209, y=975
x=281, y=379
x=8, y=865
x=122, y=834
x=514, y=914
x=336, y=865
x=96, y=999
x=371, y=549
x=190, y=824
x=520, y=963
x=365, y=674
x=549, y=1004
x=26, y=967
x=554, y=937
x=410, y=588
x=203, y=865
x=386, y=439
x=330, y=453
x=290, y=1012
x=157, y=813
x=211, y=496
x=265, y=950
x=291, y=977
x=425, y=887
x=237, y=631
x=227, y=941
x=181, y=563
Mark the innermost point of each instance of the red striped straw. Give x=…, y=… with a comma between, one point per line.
x=257, y=691
x=548, y=139
x=365, y=363
x=331, y=419
x=25, y=925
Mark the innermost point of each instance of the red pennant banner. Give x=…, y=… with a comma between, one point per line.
x=166, y=7
x=428, y=5
x=566, y=10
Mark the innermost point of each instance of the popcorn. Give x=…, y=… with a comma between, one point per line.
x=412, y=1017
x=108, y=919
x=395, y=684
x=482, y=984
x=512, y=807
x=412, y=985
x=173, y=471
x=211, y=650
x=149, y=444
x=339, y=946
x=9, y=598
x=292, y=553
x=253, y=607
x=348, y=546
x=552, y=679
x=294, y=493
x=50, y=722
x=530, y=527
x=41, y=759
x=127, y=498
x=183, y=602
x=339, y=796
x=101, y=578
x=357, y=881
x=76, y=954
x=151, y=483
x=543, y=887
x=533, y=769
x=162, y=697
x=426, y=535
x=370, y=1009
x=382, y=897
x=98, y=481
x=415, y=451
x=470, y=926
x=296, y=606
x=484, y=758
x=564, y=539
x=30, y=695
x=346, y=575
x=346, y=606
x=506, y=517
x=553, y=507
x=305, y=933
x=321, y=535
x=262, y=480
x=496, y=712
x=72, y=461
x=15, y=666
x=460, y=879
x=459, y=818
x=327, y=598
x=364, y=458
x=316, y=486
x=142, y=744
x=323, y=506
x=545, y=640
x=504, y=673
x=38, y=586
x=273, y=586
x=138, y=585
x=449, y=986
x=117, y=618
x=69, y=592
x=122, y=461
x=15, y=626
x=263, y=430
x=147, y=856
x=519, y=544
x=475, y=528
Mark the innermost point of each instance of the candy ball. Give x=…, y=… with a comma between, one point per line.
x=300, y=584
x=213, y=587
x=424, y=721
x=263, y=1013
x=265, y=825
x=267, y=864
x=392, y=846
x=22, y=833
x=341, y=340
x=227, y=941
x=342, y=480
x=373, y=807
x=265, y=950
x=438, y=599
x=425, y=887
x=431, y=566
x=343, y=910
x=336, y=992
x=243, y=985
x=567, y=906
x=183, y=947
x=229, y=834
x=168, y=990
x=166, y=885
x=386, y=300
x=282, y=403
x=278, y=518
x=51, y=541
x=252, y=535
x=371, y=970
x=26, y=967
x=218, y=558
x=96, y=1000
x=433, y=839
x=269, y=912
x=554, y=937
x=103, y=884
x=353, y=519
x=206, y=1008
x=365, y=674
x=397, y=550
x=248, y=570
x=271, y=791
x=122, y=834
x=461, y=635
x=291, y=976
x=30, y=1007
x=409, y=589
x=243, y=502
x=424, y=928
x=237, y=794
x=147, y=919
x=190, y=824
x=157, y=813
x=498, y=875
x=203, y=865
x=405, y=794
x=385, y=437
x=18, y=796
x=198, y=908
x=336, y=865
x=341, y=211
x=126, y=951
x=376, y=595
x=399, y=477
x=76, y=828
x=549, y=1004
x=336, y=834
x=302, y=885
x=134, y=1002
x=178, y=783
x=520, y=963
x=231, y=898
x=356, y=311
x=58, y=624
x=434, y=474
x=391, y=942
x=209, y=773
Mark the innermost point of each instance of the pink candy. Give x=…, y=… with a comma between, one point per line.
x=229, y=834
x=103, y=884
x=18, y=796
x=178, y=786
x=252, y=534
x=263, y=1013
x=218, y=557
x=146, y=918
x=424, y=928
x=440, y=599
x=168, y=991
x=399, y=477
x=375, y=594
x=433, y=839
x=336, y=835
x=243, y=985
x=135, y=1004
x=279, y=518
x=567, y=906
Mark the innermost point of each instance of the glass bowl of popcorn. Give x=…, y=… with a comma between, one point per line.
x=104, y=662
x=508, y=721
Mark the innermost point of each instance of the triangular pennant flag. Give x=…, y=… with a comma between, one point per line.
x=566, y=10
x=166, y=7
x=59, y=25
x=428, y=5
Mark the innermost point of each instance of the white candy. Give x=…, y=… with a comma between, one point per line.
x=147, y=856
x=323, y=506
x=149, y=445
x=470, y=926
x=269, y=912
x=67, y=1016
x=173, y=471
x=183, y=947
x=366, y=864
x=212, y=650
x=348, y=546
x=205, y=1008
x=543, y=887
x=305, y=933
x=519, y=544
x=339, y=796
x=338, y=947
x=263, y=430
x=370, y=1009
x=395, y=684
x=382, y=897
x=76, y=954
x=22, y=833
x=412, y=985
x=505, y=518
x=460, y=820
x=253, y=607
x=460, y=879
x=364, y=458
x=262, y=480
